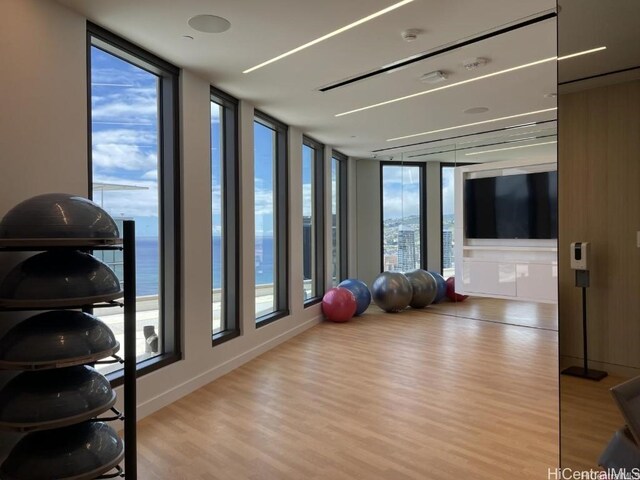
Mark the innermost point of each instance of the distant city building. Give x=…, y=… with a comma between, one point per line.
x=390, y=263
x=406, y=249
x=447, y=249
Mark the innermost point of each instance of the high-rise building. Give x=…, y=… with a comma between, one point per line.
x=406, y=249
x=447, y=249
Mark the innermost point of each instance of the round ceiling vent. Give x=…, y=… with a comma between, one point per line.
x=209, y=24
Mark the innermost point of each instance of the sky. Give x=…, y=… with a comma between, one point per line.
x=125, y=141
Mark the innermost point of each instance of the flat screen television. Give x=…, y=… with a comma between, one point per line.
x=512, y=206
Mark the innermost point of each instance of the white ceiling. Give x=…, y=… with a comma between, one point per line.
x=584, y=24
x=288, y=89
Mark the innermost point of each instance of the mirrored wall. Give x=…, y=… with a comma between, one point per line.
x=599, y=203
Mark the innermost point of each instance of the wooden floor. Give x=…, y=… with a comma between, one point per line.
x=414, y=395
x=514, y=312
x=589, y=419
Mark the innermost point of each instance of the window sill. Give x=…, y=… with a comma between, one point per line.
x=312, y=301
x=224, y=336
x=271, y=317
x=146, y=366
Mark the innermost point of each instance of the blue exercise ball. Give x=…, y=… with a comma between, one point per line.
x=442, y=286
x=360, y=291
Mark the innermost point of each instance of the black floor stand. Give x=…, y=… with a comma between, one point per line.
x=582, y=280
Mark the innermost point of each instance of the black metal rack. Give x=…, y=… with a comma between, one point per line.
x=127, y=245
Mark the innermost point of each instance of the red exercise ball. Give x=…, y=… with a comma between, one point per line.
x=338, y=304
x=451, y=291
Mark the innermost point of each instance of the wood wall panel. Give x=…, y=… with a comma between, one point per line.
x=599, y=202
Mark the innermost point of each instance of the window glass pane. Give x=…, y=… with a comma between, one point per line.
x=448, y=221
x=308, y=222
x=335, y=222
x=401, y=217
x=217, y=195
x=265, y=232
x=124, y=126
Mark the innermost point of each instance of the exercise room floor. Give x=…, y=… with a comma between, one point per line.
x=416, y=395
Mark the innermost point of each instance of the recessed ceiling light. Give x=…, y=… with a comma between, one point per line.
x=470, y=80
x=475, y=110
x=550, y=95
x=331, y=34
x=512, y=148
x=209, y=24
x=472, y=124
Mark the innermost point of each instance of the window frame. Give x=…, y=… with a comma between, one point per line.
x=342, y=206
x=281, y=217
x=318, y=218
x=169, y=187
x=230, y=217
x=422, y=209
x=443, y=165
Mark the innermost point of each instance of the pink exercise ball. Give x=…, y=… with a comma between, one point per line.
x=338, y=304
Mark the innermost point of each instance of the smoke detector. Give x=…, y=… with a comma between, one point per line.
x=411, y=34
x=434, y=77
x=473, y=63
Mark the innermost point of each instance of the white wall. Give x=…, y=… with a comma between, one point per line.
x=368, y=217
x=43, y=140
x=43, y=105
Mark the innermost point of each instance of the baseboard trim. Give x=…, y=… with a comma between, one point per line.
x=175, y=393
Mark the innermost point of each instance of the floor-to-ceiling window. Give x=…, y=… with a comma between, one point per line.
x=270, y=202
x=338, y=217
x=312, y=220
x=224, y=216
x=134, y=175
x=448, y=219
x=402, y=196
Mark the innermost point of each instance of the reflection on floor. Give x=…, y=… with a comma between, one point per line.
x=515, y=312
x=385, y=396
x=589, y=417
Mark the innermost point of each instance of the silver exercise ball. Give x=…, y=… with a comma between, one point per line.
x=58, y=215
x=425, y=288
x=391, y=291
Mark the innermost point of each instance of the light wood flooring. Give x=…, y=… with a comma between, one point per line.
x=414, y=395
x=514, y=312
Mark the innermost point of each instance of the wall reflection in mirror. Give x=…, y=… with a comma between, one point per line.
x=599, y=203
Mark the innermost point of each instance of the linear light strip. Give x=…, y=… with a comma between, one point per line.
x=332, y=34
x=470, y=80
x=472, y=124
x=578, y=54
x=444, y=87
x=511, y=148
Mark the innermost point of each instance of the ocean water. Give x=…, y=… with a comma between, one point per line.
x=148, y=264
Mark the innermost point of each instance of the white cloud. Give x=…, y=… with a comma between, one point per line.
x=128, y=203
x=124, y=157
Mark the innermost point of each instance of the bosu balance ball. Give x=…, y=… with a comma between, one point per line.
x=442, y=287
x=425, y=288
x=338, y=304
x=360, y=291
x=451, y=291
x=392, y=291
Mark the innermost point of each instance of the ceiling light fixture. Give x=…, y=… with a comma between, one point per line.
x=470, y=80
x=512, y=148
x=472, y=124
x=329, y=35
